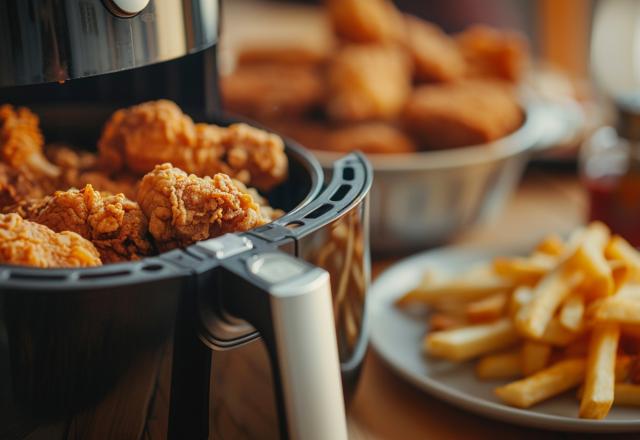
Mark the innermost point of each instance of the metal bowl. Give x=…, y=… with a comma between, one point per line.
x=420, y=200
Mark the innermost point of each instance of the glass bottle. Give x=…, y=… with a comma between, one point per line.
x=610, y=168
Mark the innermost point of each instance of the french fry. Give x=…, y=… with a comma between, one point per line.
x=600, y=375
x=526, y=271
x=520, y=297
x=629, y=291
x=499, y=366
x=486, y=309
x=533, y=318
x=557, y=335
x=544, y=384
x=571, y=312
x=468, y=287
x=621, y=273
x=618, y=309
x=626, y=394
x=551, y=245
x=619, y=249
x=534, y=357
x=590, y=261
x=468, y=342
x=442, y=321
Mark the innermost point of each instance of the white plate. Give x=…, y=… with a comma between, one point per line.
x=397, y=337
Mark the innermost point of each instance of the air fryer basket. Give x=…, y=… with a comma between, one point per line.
x=124, y=350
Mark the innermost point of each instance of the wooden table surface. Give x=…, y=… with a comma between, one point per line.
x=387, y=407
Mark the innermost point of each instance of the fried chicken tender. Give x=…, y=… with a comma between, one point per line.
x=462, y=114
x=436, y=57
x=367, y=82
x=366, y=21
x=183, y=208
x=265, y=91
x=21, y=142
x=490, y=52
x=142, y=136
x=114, y=224
x=30, y=244
x=370, y=137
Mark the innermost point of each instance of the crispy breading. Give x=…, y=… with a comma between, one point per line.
x=436, y=57
x=370, y=137
x=367, y=82
x=183, y=208
x=114, y=224
x=272, y=90
x=30, y=244
x=142, y=136
x=366, y=21
x=462, y=114
x=16, y=186
x=491, y=52
x=21, y=142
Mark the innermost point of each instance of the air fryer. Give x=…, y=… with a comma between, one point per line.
x=249, y=335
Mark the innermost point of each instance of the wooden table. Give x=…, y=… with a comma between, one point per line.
x=387, y=407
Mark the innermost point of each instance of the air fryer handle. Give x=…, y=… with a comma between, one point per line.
x=289, y=302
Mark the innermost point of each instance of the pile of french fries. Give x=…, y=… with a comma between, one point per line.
x=567, y=316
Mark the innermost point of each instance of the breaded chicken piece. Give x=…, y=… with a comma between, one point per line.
x=183, y=208
x=436, y=57
x=16, y=186
x=462, y=114
x=79, y=168
x=142, y=136
x=21, y=142
x=491, y=52
x=366, y=21
x=272, y=90
x=30, y=244
x=114, y=224
x=367, y=82
x=370, y=137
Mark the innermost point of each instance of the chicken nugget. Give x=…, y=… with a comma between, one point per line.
x=272, y=90
x=367, y=82
x=370, y=137
x=366, y=21
x=436, y=57
x=491, y=52
x=462, y=114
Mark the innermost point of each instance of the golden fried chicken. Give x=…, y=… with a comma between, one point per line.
x=183, y=208
x=436, y=57
x=30, y=244
x=490, y=52
x=367, y=82
x=462, y=114
x=114, y=224
x=142, y=136
x=366, y=21
x=272, y=90
x=16, y=186
x=370, y=137
x=79, y=168
x=21, y=142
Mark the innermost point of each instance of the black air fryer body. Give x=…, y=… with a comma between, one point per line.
x=219, y=340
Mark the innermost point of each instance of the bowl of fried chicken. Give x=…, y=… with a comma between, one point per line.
x=446, y=120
